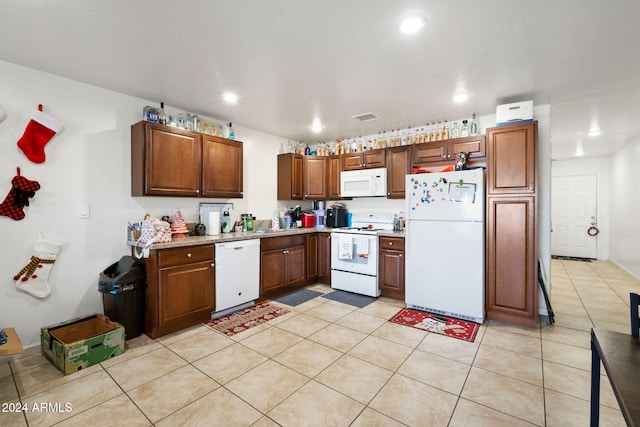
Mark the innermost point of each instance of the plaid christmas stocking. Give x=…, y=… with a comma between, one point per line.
x=34, y=277
x=22, y=190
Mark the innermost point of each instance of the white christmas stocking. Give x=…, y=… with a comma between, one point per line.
x=34, y=277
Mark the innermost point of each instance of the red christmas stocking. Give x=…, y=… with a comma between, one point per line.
x=39, y=131
x=22, y=190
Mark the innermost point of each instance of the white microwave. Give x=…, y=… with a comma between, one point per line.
x=364, y=183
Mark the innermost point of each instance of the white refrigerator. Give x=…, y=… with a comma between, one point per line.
x=445, y=243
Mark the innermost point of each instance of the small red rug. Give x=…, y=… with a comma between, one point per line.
x=437, y=323
x=242, y=320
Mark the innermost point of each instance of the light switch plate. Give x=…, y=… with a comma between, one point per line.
x=84, y=211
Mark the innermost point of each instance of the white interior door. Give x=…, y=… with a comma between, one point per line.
x=573, y=212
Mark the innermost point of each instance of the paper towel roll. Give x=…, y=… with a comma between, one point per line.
x=213, y=227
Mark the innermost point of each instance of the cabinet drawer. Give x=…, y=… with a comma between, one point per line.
x=272, y=243
x=392, y=243
x=184, y=255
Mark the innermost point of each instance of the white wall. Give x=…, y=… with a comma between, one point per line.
x=88, y=163
x=598, y=166
x=625, y=208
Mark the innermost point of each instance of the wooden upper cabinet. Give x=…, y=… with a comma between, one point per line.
x=364, y=160
x=474, y=145
x=333, y=177
x=444, y=152
x=314, y=175
x=164, y=161
x=398, y=166
x=222, y=167
x=303, y=177
x=511, y=152
x=290, y=176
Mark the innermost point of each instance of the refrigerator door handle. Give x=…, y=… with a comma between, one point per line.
x=407, y=244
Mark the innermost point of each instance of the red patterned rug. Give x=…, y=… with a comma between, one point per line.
x=242, y=320
x=437, y=324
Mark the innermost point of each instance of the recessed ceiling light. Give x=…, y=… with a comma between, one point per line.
x=316, y=128
x=230, y=97
x=594, y=132
x=411, y=24
x=460, y=97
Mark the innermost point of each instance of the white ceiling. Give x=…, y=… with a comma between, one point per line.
x=291, y=61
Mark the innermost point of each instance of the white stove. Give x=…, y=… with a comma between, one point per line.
x=354, y=253
x=368, y=223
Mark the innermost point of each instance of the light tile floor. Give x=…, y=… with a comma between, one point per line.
x=330, y=364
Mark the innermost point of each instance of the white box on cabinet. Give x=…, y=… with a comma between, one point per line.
x=507, y=114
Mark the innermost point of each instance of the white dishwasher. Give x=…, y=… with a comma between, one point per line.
x=237, y=274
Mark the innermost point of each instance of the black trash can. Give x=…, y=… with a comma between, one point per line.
x=123, y=286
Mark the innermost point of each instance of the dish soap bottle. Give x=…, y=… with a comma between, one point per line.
x=249, y=223
x=275, y=221
x=232, y=134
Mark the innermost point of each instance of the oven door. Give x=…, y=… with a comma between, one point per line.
x=354, y=253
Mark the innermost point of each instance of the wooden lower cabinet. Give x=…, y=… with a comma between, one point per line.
x=512, y=285
x=180, y=288
x=312, y=257
x=324, y=258
x=391, y=267
x=282, y=264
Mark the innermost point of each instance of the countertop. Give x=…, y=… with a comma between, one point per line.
x=247, y=235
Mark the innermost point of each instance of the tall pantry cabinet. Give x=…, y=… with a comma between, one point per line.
x=512, y=256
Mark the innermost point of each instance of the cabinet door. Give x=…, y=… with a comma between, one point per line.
x=271, y=270
x=312, y=257
x=352, y=161
x=398, y=166
x=391, y=268
x=290, y=168
x=221, y=167
x=185, y=293
x=294, y=266
x=512, y=286
x=374, y=159
x=474, y=145
x=333, y=177
x=165, y=161
x=314, y=175
x=511, y=159
x=429, y=152
x=324, y=258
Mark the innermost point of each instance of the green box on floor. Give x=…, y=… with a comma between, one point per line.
x=79, y=343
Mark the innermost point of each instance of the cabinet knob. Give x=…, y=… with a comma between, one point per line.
x=399, y=255
x=390, y=243
x=188, y=255
x=213, y=265
x=197, y=191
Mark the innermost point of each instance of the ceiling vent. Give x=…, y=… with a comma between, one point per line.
x=366, y=117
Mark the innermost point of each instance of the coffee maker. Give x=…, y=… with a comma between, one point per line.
x=336, y=217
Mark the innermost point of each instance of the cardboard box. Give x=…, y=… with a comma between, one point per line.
x=80, y=343
x=13, y=344
x=507, y=114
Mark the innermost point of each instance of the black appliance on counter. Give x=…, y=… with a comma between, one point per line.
x=336, y=217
